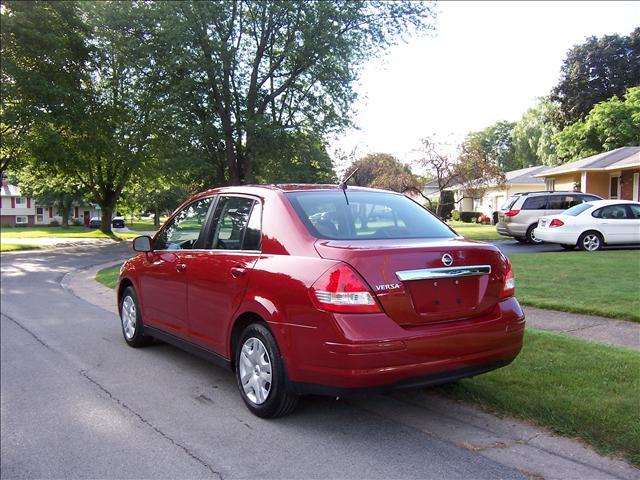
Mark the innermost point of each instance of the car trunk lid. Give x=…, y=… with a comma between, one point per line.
x=414, y=281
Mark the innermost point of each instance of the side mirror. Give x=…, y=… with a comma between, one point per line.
x=142, y=244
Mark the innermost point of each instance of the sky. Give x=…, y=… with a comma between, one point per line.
x=485, y=62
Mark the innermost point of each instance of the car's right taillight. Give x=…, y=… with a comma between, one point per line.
x=511, y=213
x=341, y=289
x=509, y=286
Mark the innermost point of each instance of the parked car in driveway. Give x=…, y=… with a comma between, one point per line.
x=294, y=289
x=518, y=216
x=591, y=225
x=117, y=222
x=95, y=222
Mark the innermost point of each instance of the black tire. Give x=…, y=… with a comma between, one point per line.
x=567, y=247
x=138, y=339
x=278, y=401
x=590, y=241
x=531, y=238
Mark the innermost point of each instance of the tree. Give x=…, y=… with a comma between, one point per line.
x=533, y=134
x=382, y=170
x=596, y=71
x=611, y=124
x=440, y=166
x=232, y=75
x=497, y=145
x=82, y=69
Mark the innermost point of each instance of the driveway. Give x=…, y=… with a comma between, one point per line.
x=513, y=246
x=77, y=402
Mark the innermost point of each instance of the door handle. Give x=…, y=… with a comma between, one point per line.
x=181, y=267
x=238, y=271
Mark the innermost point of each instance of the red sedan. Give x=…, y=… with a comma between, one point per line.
x=315, y=289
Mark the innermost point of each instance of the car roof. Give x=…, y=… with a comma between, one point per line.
x=289, y=187
x=601, y=203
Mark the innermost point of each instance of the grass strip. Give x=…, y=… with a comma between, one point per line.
x=59, y=232
x=476, y=231
x=599, y=283
x=108, y=276
x=574, y=387
x=9, y=247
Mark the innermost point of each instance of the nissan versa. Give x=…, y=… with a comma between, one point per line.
x=317, y=289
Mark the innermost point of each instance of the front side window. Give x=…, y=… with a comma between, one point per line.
x=183, y=231
x=535, y=203
x=635, y=211
x=562, y=202
x=365, y=215
x=611, y=212
x=236, y=224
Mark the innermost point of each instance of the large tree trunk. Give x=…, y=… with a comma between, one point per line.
x=156, y=217
x=66, y=212
x=105, y=225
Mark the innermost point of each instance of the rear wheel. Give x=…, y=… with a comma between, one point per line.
x=590, y=241
x=131, y=320
x=531, y=238
x=260, y=374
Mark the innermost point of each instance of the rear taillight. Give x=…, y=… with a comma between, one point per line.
x=341, y=289
x=509, y=286
x=511, y=213
x=556, y=223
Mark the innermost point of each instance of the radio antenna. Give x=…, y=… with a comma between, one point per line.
x=343, y=184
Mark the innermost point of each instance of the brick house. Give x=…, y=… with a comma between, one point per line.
x=611, y=175
x=17, y=210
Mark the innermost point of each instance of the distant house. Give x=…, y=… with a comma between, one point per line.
x=522, y=180
x=17, y=210
x=612, y=175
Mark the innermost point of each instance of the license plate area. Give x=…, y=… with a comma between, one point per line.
x=444, y=295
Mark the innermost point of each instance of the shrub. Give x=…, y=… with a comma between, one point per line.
x=54, y=223
x=469, y=217
x=77, y=223
x=455, y=215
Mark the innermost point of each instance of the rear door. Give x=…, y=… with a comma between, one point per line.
x=615, y=223
x=218, y=273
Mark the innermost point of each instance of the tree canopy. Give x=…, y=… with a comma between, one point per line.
x=595, y=71
x=532, y=135
x=609, y=125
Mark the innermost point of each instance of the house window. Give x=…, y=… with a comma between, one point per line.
x=21, y=201
x=21, y=220
x=614, y=187
x=39, y=215
x=551, y=184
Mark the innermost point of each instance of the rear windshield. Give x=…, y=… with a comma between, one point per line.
x=509, y=203
x=367, y=216
x=577, y=209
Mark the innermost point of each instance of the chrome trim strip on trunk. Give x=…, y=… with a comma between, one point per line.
x=443, y=272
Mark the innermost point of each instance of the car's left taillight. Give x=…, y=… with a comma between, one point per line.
x=340, y=289
x=509, y=285
x=556, y=222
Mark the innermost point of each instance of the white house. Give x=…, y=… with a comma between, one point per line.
x=17, y=210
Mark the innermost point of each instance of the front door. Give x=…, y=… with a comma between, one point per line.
x=219, y=274
x=86, y=218
x=163, y=279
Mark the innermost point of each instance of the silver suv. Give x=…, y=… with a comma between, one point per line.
x=518, y=216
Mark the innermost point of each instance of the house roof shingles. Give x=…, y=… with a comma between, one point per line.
x=525, y=176
x=618, y=158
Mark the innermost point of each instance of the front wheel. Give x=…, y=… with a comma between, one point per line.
x=531, y=238
x=260, y=374
x=590, y=241
x=131, y=320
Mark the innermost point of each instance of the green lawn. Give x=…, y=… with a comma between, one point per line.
x=574, y=387
x=108, y=276
x=600, y=283
x=476, y=231
x=8, y=247
x=143, y=224
x=58, y=232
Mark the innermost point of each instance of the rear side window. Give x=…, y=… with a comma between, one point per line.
x=236, y=224
x=509, y=203
x=535, y=203
x=611, y=212
x=367, y=215
x=578, y=209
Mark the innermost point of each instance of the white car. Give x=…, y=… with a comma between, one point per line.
x=593, y=224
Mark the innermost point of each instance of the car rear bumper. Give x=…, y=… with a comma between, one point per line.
x=556, y=236
x=511, y=230
x=376, y=353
